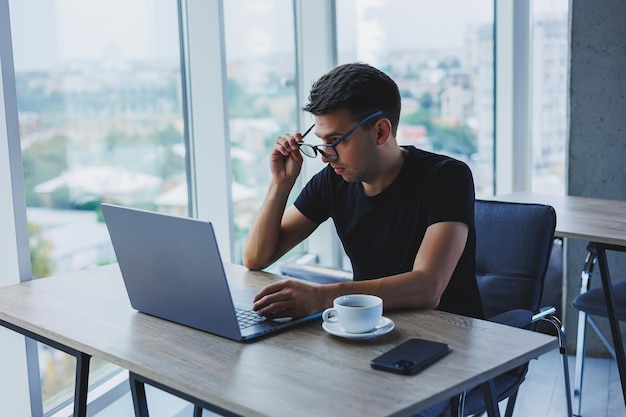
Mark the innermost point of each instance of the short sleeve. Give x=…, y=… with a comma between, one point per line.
x=452, y=195
x=314, y=199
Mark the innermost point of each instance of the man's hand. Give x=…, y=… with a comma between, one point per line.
x=286, y=159
x=288, y=298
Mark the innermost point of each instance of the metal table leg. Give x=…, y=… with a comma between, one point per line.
x=585, y=284
x=138, y=391
x=610, y=306
x=491, y=403
x=81, y=385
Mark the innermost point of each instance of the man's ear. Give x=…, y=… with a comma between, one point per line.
x=382, y=128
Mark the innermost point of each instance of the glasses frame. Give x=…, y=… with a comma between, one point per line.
x=318, y=148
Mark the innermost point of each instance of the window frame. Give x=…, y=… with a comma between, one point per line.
x=20, y=358
x=512, y=141
x=206, y=117
x=316, y=54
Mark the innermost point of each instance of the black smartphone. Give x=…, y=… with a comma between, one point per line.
x=410, y=357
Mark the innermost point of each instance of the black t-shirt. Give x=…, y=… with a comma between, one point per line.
x=381, y=234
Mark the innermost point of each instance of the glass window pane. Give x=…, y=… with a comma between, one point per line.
x=441, y=55
x=100, y=112
x=548, y=96
x=260, y=54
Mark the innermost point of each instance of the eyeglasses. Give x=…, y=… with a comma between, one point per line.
x=328, y=150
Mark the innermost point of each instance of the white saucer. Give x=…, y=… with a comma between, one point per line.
x=384, y=326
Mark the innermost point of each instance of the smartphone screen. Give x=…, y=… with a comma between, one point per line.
x=410, y=357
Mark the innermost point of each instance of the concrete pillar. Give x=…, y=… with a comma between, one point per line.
x=597, y=136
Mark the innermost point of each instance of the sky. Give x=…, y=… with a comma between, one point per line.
x=418, y=23
x=47, y=32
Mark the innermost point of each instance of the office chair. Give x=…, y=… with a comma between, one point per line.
x=513, y=247
x=592, y=302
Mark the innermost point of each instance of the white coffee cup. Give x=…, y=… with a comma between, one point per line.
x=356, y=313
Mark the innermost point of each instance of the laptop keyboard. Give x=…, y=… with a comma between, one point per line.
x=248, y=318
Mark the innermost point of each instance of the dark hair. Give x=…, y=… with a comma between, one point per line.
x=359, y=88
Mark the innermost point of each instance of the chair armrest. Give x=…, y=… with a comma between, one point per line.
x=517, y=318
x=544, y=312
x=522, y=318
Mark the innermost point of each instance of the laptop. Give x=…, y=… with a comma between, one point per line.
x=172, y=269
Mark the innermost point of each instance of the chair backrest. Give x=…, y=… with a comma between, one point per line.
x=513, y=246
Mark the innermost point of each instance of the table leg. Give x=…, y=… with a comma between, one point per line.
x=491, y=403
x=585, y=284
x=138, y=392
x=614, y=323
x=137, y=386
x=81, y=386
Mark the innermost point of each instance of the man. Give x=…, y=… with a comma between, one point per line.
x=405, y=216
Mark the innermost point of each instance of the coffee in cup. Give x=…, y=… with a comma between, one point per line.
x=356, y=313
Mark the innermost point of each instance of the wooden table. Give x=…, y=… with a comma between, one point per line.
x=302, y=371
x=602, y=223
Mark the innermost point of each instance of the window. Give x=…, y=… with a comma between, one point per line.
x=548, y=95
x=101, y=108
x=100, y=113
x=441, y=56
x=261, y=65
